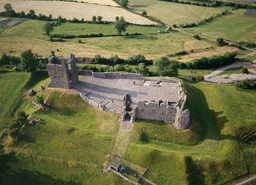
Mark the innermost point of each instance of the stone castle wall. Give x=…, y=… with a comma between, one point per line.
x=62, y=71
x=58, y=74
x=110, y=75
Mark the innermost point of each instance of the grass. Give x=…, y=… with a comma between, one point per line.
x=106, y=29
x=72, y=142
x=245, y=28
x=195, y=72
x=29, y=35
x=11, y=97
x=70, y=138
x=236, y=70
x=174, y=13
x=211, y=158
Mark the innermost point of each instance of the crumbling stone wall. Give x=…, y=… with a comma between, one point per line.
x=112, y=75
x=62, y=71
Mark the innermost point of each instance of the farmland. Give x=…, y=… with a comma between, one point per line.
x=75, y=9
x=174, y=13
x=25, y=36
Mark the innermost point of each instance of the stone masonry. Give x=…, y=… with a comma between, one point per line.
x=128, y=94
x=62, y=71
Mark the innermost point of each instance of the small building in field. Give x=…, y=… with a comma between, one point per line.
x=116, y=165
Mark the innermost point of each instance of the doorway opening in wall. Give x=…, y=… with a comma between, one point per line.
x=127, y=117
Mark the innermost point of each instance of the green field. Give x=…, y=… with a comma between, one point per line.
x=243, y=29
x=71, y=143
x=105, y=29
x=11, y=94
x=174, y=13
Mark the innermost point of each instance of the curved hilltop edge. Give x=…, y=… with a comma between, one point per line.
x=77, y=10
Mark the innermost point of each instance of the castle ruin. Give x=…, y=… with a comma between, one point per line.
x=128, y=94
x=62, y=71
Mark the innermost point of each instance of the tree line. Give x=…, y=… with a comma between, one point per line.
x=211, y=3
x=29, y=62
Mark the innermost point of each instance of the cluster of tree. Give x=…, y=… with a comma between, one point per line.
x=165, y=67
x=211, y=62
x=221, y=42
x=18, y=121
x=122, y=3
x=120, y=25
x=99, y=19
x=114, y=59
x=140, y=68
x=9, y=12
x=65, y=36
x=31, y=14
x=28, y=61
x=246, y=84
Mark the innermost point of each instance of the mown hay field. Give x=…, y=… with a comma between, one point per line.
x=78, y=10
x=174, y=13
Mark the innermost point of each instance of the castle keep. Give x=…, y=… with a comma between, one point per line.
x=62, y=71
x=128, y=94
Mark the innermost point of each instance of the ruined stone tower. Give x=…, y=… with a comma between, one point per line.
x=62, y=71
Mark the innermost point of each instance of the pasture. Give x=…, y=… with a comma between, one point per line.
x=29, y=34
x=243, y=30
x=11, y=95
x=78, y=10
x=174, y=13
x=217, y=158
x=72, y=141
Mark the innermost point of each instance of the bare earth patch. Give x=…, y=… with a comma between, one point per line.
x=71, y=10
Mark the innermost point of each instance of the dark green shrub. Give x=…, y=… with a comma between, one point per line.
x=245, y=70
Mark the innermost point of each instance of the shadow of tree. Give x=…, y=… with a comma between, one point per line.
x=193, y=172
x=25, y=177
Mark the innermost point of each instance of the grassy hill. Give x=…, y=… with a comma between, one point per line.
x=73, y=141
x=11, y=95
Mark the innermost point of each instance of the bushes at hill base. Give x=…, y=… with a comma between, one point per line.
x=247, y=44
x=246, y=84
x=210, y=62
x=17, y=64
x=18, y=121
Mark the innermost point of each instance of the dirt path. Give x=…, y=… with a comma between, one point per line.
x=231, y=78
